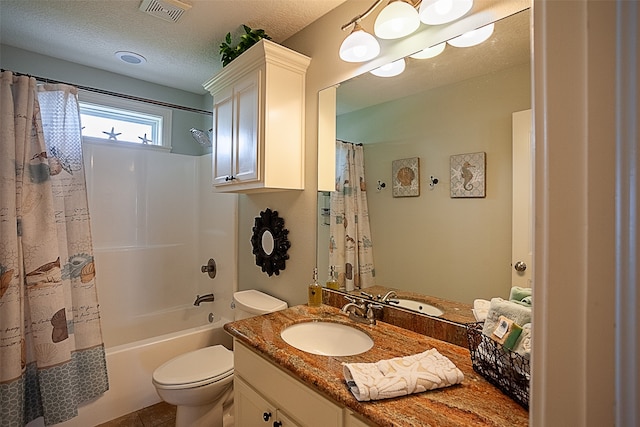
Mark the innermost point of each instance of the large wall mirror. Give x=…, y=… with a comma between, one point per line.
x=459, y=102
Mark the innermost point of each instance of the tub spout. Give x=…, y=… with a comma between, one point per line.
x=204, y=298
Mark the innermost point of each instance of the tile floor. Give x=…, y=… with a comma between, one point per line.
x=159, y=415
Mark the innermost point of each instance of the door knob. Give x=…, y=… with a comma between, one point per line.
x=520, y=266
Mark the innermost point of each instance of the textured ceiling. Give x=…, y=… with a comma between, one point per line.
x=181, y=55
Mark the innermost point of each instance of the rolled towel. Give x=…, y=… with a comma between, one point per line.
x=480, y=309
x=523, y=345
x=518, y=293
x=401, y=376
x=518, y=313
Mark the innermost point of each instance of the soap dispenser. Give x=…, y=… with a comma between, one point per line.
x=332, y=280
x=315, y=291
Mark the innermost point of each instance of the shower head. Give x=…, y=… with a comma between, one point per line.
x=201, y=137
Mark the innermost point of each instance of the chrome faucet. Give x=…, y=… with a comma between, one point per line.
x=361, y=311
x=388, y=297
x=204, y=298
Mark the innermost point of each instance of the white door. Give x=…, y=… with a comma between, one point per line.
x=522, y=208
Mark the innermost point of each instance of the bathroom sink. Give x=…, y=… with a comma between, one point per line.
x=327, y=338
x=418, y=306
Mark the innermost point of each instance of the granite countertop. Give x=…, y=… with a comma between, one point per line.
x=453, y=311
x=473, y=402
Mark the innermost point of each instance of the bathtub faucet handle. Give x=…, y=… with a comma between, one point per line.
x=210, y=268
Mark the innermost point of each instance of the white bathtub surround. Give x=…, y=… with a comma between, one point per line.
x=156, y=222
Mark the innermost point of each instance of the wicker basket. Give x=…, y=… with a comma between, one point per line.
x=505, y=369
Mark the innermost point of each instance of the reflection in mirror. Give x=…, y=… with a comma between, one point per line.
x=267, y=242
x=456, y=249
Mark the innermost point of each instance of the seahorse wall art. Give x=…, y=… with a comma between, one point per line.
x=468, y=175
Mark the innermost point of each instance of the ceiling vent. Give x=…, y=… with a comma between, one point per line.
x=168, y=10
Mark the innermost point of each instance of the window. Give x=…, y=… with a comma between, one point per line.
x=110, y=119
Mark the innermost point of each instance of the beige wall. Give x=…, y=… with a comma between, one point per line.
x=458, y=249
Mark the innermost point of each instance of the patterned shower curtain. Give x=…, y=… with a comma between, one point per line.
x=350, y=246
x=51, y=351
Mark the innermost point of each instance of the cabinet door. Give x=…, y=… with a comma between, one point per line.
x=246, y=94
x=223, y=136
x=284, y=421
x=251, y=409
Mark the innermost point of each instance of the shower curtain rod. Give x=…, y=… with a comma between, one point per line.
x=352, y=143
x=119, y=95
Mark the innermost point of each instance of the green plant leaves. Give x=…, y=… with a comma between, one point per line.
x=251, y=37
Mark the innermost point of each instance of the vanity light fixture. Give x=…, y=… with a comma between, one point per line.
x=436, y=12
x=474, y=37
x=429, y=52
x=359, y=46
x=391, y=69
x=398, y=19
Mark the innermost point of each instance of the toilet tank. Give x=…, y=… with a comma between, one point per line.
x=254, y=303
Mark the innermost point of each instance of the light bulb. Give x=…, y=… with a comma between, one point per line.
x=359, y=46
x=436, y=12
x=397, y=19
x=429, y=52
x=472, y=38
x=391, y=69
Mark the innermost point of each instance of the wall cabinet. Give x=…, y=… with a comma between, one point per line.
x=258, y=120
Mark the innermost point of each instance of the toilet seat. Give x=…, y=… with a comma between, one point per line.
x=195, y=369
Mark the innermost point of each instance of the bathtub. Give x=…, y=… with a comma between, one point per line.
x=130, y=368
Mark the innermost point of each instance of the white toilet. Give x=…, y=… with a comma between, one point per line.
x=200, y=383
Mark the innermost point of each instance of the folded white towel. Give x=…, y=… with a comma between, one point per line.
x=520, y=314
x=481, y=309
x=401, y=376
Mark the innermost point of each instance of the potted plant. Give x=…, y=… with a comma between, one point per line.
x=247, y=40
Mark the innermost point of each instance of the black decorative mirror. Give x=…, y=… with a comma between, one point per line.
x=270, y=243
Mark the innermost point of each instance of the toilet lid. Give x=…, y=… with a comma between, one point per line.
x=209, y=363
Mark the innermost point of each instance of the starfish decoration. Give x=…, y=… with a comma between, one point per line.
x=112, y=135
x=144, y=139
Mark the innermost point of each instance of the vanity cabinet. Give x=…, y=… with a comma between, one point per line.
x=262, y=388
x=258, y=120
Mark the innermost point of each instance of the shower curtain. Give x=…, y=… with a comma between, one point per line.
x=51, y=351
x=350, y=245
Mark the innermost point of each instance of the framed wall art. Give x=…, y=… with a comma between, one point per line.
x=468, y=175
x=406, y=177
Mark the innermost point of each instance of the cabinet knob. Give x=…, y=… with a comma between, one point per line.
x=266, y=416
x=230, y=178
x=277, y=424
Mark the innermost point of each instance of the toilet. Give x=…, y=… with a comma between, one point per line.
x=200, y=382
